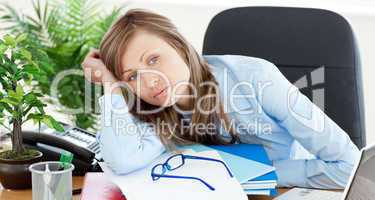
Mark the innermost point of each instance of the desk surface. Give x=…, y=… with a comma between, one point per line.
x=77, y=183
x=26, y=194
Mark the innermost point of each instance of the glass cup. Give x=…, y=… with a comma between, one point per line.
x=51, y=180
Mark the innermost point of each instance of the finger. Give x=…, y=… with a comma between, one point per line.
x=93, y=53
x=91, y=61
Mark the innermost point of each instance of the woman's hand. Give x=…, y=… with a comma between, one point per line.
x=95, y=70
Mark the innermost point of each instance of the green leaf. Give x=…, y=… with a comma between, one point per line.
x=7, y=107
x=10, y=100
x=9, y=40
x=36, y=117
x=21, y=37
x=19, y=91
x=2, y=70
x=9, y=65
x=31, y=69
x=52, y=123
x=5, y=83
x=27, y=78
x=40, y=108
x=1, y=108
x=26, y=54
x=18, y=75
x=3, y=48
x=16, y=95
x=30, y=98
x=13, y=67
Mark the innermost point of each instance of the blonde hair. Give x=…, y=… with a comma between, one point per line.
x=113, y=47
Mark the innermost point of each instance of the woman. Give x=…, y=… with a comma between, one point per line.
x=166, y=90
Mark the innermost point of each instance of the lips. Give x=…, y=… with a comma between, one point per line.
x=161, y=91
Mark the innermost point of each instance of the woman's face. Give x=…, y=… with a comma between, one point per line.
x=154, y=70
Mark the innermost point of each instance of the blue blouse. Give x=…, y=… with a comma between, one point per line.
x=307, y=148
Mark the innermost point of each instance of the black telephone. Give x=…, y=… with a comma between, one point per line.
x=81, y=143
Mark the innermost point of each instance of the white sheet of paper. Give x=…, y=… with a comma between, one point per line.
x=139, y=185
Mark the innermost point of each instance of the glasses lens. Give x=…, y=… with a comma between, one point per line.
x=175, y=162
x=159, y=169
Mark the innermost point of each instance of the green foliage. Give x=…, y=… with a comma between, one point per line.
x=18, y=65
x=65, y=31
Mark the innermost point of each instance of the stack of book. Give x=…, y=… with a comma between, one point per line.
x=263, y=181
x=261, y=185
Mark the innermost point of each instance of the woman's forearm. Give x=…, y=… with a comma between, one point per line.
x=127, y=144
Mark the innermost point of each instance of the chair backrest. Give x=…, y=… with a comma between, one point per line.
x=315, y=49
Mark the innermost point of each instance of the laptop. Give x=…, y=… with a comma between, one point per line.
x=361, y=185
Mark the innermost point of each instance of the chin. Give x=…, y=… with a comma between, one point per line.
x=164, y=105
x=169, y=104
x=164, y=102
x=160, y=103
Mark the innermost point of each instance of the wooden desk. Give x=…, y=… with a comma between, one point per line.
x=77, y=183
x=27, y=195
x=261, y=197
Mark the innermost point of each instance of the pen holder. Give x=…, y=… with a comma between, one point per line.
x=51, y=180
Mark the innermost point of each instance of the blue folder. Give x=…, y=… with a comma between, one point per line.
x=242, y=168
x=253, y=152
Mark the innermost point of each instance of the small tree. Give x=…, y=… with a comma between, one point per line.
x=20, y=65
x=65, y=30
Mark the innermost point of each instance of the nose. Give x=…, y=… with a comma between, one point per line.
x=152, y=81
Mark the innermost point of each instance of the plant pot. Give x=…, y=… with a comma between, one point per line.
x=15, y=174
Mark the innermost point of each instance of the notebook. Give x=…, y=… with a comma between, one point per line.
x=139, y=185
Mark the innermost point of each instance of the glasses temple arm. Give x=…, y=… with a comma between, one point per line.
x=187, y=177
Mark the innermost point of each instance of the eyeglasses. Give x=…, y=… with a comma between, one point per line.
x=175, y=162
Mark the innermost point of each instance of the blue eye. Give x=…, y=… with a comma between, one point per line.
x=132, y=77
x=153, y=60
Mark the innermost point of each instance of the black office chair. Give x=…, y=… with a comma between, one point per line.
x=315, y=49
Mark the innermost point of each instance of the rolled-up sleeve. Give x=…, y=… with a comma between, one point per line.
x=126, y=143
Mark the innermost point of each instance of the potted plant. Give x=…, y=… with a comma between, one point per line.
x=65, y=30
x=20, y=65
